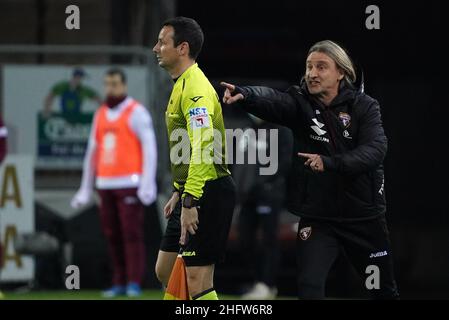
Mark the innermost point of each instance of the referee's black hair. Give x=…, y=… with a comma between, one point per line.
x=117, y=71
x=187, y=30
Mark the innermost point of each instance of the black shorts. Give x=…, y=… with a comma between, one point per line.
x=365, y=243
x=215, y=210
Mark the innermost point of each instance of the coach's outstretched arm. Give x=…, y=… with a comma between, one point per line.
x=266, y=103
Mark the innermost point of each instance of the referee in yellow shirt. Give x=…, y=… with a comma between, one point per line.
x=200, y=210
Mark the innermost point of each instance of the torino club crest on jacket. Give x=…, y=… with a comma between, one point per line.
x=305, y=233
x=345, y=119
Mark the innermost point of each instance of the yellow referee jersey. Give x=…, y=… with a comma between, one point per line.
x=196, y=133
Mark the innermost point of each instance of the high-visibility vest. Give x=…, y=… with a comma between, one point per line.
x=119, y=152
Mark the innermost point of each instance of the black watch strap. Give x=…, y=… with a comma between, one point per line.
x=188, y=201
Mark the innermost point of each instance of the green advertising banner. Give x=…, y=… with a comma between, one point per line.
x=51, y=122
x=63, y=137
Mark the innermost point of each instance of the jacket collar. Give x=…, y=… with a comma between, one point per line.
x=347, y=92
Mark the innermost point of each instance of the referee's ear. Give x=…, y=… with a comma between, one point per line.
x=184, y=49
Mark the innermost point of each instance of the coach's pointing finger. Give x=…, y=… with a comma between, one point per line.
x=309, y=157
x=305, y=155
x=228, y=96
x=228, y=86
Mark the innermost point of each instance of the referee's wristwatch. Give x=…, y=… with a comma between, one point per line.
x=189, y=201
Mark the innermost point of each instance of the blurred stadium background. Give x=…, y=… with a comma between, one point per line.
x=248, y=43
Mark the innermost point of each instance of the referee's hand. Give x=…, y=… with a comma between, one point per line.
x=171, y=204
x=230, y=96
x=189, y=223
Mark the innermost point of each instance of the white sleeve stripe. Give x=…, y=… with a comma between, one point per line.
x=3, y=132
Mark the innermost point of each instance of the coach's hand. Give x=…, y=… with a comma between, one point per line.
x=189, y=222
x=231, y=95
x=314, y=161
x=171, y=204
